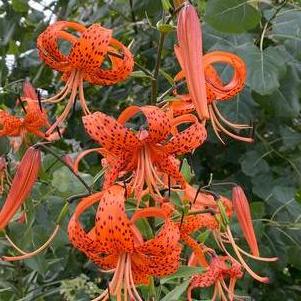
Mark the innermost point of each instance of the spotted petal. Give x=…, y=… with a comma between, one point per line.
x=111, y=134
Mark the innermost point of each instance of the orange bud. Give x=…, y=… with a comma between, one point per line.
x=242, y=210
x=23, y=181
x=189, y=55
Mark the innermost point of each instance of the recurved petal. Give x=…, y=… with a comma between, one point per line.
x=157, y=265
x=89, y=51
x=158, y=122
x=47, y=44
x=193, y=223
x=21, y=185
x=225, y=91
x=187, y=140
x=121, y=66
x=111, y=134
x=29, y=91
x=164, y=242
x=79, y=237
x=113, y=228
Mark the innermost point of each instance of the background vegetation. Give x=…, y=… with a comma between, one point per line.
x=266, y=34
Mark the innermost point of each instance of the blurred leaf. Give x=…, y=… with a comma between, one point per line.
x=253, y=163
x=286, y=27
x=232, y=16
x=20, y=6
x=284, y=102
x=65, y=181
x=264, y=68
x=183, y=272
x=176, y=293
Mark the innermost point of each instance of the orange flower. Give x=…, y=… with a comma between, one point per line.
x=116, y=245
x=220, y=268
x=91, y=51
x=216, y=91
x=242, y=210
x=21, y=185
x=34, y=121
x=189, y=54
x=147, y=154
x=197, y=220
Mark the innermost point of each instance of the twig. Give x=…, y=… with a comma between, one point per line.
x=154, y=91
x=49, y=150
x=133, y=16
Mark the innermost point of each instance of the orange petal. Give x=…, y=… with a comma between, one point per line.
x=9, y=125
x=120, y=67
x=213, y=81
x=109, y=133
x=187, y=140
x=23, y=181
x=113, y=228
x=80, y=239
x=89, y=51
x=242, y=210
x=159, y=123
x=189, y=54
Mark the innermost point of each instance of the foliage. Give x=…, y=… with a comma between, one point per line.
x=266, y=34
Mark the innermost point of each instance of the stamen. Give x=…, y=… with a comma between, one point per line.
x=14, y=245
x=245, y=139
x=244, y=264
x=64, y=92
x=227, y=122
x=31, y=254
x=214, y=126
x=68, y=107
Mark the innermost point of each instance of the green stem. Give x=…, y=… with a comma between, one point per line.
x=156, y=70
x=147, y=72
x=52, y=152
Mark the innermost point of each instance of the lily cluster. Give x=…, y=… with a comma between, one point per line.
x=141, y=167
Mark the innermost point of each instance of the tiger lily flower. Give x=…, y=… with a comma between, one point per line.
x=148, y=153
x=21, y=186
x=243, y=213
x=220, y=268
x=189, y=54
x=242, y=210
x=196, y=220
x=116, y=245
x=87, y=60
x=34, y=121
x=216, y=91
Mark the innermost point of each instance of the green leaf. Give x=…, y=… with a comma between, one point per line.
x=290, y=138
x=286, y=28
x=258, y=210
x=284, y=102
x=166, y=5
x=264, y=68
x=253, y=163
x=139, y=74
x=4, y=145
x=20, y=6
x=66, y=183
x=186, y=171
x=182, y=272
x=232, y=16
x=176, y=293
